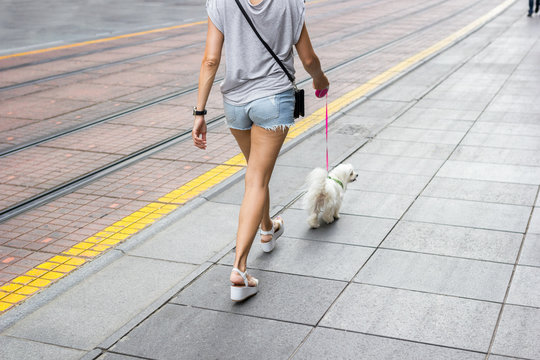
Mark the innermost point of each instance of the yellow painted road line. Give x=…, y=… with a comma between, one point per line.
x=97, y=41
x=44, y=274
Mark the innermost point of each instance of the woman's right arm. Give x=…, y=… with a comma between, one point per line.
x=209, y=67
x=310, y=60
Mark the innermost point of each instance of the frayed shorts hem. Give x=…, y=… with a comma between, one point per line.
x=277, y=127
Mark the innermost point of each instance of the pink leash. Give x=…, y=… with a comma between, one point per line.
x=320, y=94
x=326, y=132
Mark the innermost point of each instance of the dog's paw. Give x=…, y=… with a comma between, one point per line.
x=328, y=219
x=336, y=216
x=314, y=224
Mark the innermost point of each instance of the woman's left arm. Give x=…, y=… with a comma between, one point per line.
x=209, y=67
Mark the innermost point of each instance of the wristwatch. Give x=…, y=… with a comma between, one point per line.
x=197, y=112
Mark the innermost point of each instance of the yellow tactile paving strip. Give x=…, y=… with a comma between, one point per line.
x=55, y=268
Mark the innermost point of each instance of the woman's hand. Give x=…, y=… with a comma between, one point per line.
x=199, y=132
x=320, y=82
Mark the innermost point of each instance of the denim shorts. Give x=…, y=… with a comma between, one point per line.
x=271, y=112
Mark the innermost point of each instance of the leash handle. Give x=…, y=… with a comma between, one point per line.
x=326, y=132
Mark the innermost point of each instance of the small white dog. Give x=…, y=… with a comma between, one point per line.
x=325, y=193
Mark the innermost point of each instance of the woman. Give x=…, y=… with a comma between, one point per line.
x=259, y=103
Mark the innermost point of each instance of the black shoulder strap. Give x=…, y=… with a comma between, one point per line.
x=291, y=78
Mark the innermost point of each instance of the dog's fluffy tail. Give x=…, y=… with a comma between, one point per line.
x=316, y=195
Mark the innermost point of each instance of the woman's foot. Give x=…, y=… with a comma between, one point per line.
x=247, y=287
x=266, y=235
x=238, y=280
x=269, y=237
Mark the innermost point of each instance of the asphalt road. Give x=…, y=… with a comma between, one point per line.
x=27, y=25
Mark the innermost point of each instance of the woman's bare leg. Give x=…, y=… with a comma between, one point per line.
x=243, y=138
x=263, y=149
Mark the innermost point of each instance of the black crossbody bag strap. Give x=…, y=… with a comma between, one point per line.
x=291, y=78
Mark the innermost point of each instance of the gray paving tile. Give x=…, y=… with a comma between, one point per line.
x=429, y=318
x=357, y=126
x=189, y=240
x=111, y=356
x=310, y=258
x=524, y=289
x=284, y=185
x=532, y=108
x=497, y=357
x=530, y=254
x=395, y=164
x=326, y=344
x=508, y=97
x=497, y=155
x=349, y=229
x=407, y=148
x=437, y=274
x=421, y=135
x=489, y=191
x=505, y=116
x=502, y=141
x=18, y=349
x=469, y=213
x=534, y=226
x=429, y=114
x=378, y=181
x=520, y=87
x=486, y=63
x=460, y=94
x=182, y=332
x=379, y=108
x=454, y=241
x=434, y=124
x=518, y=332
x=474, y=94
x=284, y=297
x=472, y=105
x=375, y=204
x=467, y=82
x=491, y=172
x=508, y=129
x=403, y=92
x=88, y=313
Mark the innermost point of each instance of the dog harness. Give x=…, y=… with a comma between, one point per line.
x=336, y=180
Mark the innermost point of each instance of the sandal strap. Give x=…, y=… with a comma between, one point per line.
x=267, y=232
x=243, y=275
x=279, y=220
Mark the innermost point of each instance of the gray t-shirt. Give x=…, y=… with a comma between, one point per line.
x=251, y=72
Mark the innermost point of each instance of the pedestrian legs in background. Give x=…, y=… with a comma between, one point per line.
x=531, y=6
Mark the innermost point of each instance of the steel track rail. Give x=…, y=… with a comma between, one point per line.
x=96, y=174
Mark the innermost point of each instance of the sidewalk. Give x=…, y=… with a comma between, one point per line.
x=436, y=255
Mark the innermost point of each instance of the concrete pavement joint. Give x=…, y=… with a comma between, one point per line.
x=510, y=281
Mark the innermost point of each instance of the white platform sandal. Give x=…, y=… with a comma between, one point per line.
x=269, y=246
x=238, y=292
